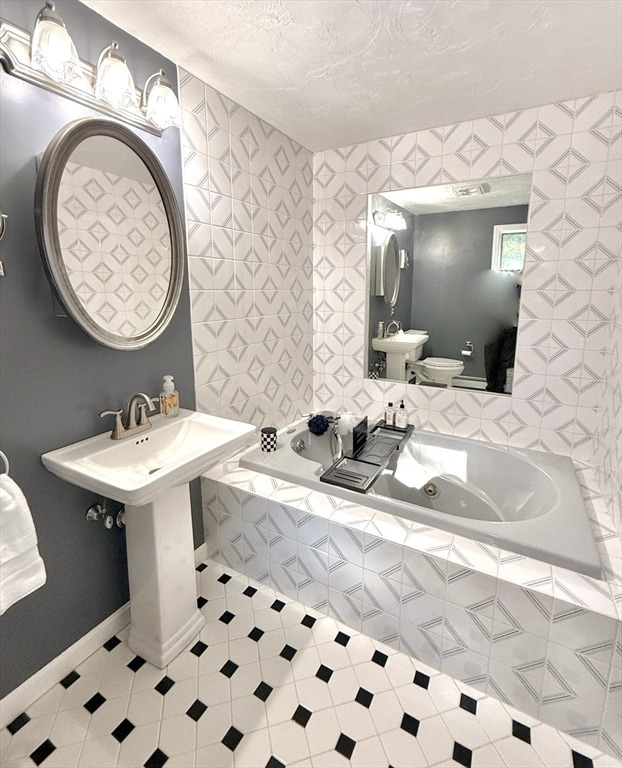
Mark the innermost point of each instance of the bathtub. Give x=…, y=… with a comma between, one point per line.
x=524, y=501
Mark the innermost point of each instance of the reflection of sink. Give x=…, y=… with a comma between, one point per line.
x=135, y=470
x=150, y=474
x=397, y=347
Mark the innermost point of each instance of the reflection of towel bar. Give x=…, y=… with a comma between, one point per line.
x=6, y=462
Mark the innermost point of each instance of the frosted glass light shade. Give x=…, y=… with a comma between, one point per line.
x=52, y=50
x=162, y=105
x=114, y=83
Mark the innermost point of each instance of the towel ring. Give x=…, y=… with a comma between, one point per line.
x=6, y=462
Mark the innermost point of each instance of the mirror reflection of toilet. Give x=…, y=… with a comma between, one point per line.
x=440, y=370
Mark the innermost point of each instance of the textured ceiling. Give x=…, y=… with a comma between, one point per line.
x=335, y=72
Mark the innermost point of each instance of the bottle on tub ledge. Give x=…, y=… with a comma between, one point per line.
x=169, y=399
x=401, y=416
x=389, y=415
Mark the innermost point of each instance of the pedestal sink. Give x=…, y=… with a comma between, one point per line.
x=397, y=347
x=150, y=474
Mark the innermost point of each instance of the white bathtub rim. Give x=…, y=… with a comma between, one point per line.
x=550, y=535
x=553, y=581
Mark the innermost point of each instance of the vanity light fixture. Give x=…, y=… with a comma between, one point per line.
x=52, y=50
x=159, y=101
x=114, y=83
x=389, y=219
x=48, y=59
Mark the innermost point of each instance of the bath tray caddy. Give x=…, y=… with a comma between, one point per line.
x=371, y=454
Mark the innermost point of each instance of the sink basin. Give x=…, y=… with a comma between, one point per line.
x=401, y=343
x=150, y=474
x=135, y=470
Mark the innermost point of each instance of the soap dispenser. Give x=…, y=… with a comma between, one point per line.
x=169, y=399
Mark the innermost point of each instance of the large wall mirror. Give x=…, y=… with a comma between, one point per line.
x=110, y=232
x=453, y=321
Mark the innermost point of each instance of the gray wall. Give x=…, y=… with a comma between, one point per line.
x=456, y=296
x=54, y=379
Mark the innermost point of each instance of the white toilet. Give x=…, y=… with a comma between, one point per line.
x=437, y=369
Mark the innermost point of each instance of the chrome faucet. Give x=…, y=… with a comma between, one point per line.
x=137, y=420
x=398, y=328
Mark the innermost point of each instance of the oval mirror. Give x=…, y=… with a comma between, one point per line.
x=110, y=232
x=391, y=270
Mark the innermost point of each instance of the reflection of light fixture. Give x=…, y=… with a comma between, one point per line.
x=389, y=219
x=52, y=50
x=114, y=82
x=159, y=101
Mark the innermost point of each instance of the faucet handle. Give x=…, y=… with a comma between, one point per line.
x=119, y=429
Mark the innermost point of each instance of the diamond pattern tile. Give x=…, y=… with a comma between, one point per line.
x=342, y=697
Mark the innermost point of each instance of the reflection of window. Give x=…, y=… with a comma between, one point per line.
x=508, y=247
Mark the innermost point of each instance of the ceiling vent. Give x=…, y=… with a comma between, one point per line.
x=477, y=189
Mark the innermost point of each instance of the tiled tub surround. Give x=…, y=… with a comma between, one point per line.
x=537, y=637
x=567, y=389
x=268, y=684
x=248, y=210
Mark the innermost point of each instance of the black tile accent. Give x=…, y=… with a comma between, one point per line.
x=198, y=648
x=342, y=638
x=94, y=703
x=466, y=702
x=224, y=578
x=229, y=669
x=308, y=621
x=196, y=710
x=324, y=673
x=581, y=761
x=409, y=724
x=42, y=752
x=157, y=759
x=256, y=634
x=364, y=697
x=288, y=652
x=249, y=591
x=345, y=746
x=227, y=617
x=301, y=715
x=123, y=730
x=421, y=679
x=462, y=755
x=278, y=606
x=165, y=685
x=274, y=762
x=136, y=663
x=201, y=601
x=262, y=691
x=232, y=738
x=111, y=644
x=20, y=721
x=70, y=679
x=380, y=658
x=521, y=731
x=201, y=567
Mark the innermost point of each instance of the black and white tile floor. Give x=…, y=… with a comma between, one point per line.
x=271, y=684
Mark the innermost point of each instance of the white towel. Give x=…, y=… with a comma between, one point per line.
x=21, y=567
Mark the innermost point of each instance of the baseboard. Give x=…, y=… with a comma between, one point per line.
x=18, y=701
x=200, y=554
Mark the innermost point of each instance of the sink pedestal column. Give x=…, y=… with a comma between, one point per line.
x=396, y=366
x=163, y=592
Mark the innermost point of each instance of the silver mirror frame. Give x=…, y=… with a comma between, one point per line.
x=47, y=187
x=391, y=259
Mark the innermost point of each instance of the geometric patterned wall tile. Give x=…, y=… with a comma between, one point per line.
x=571, y=275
